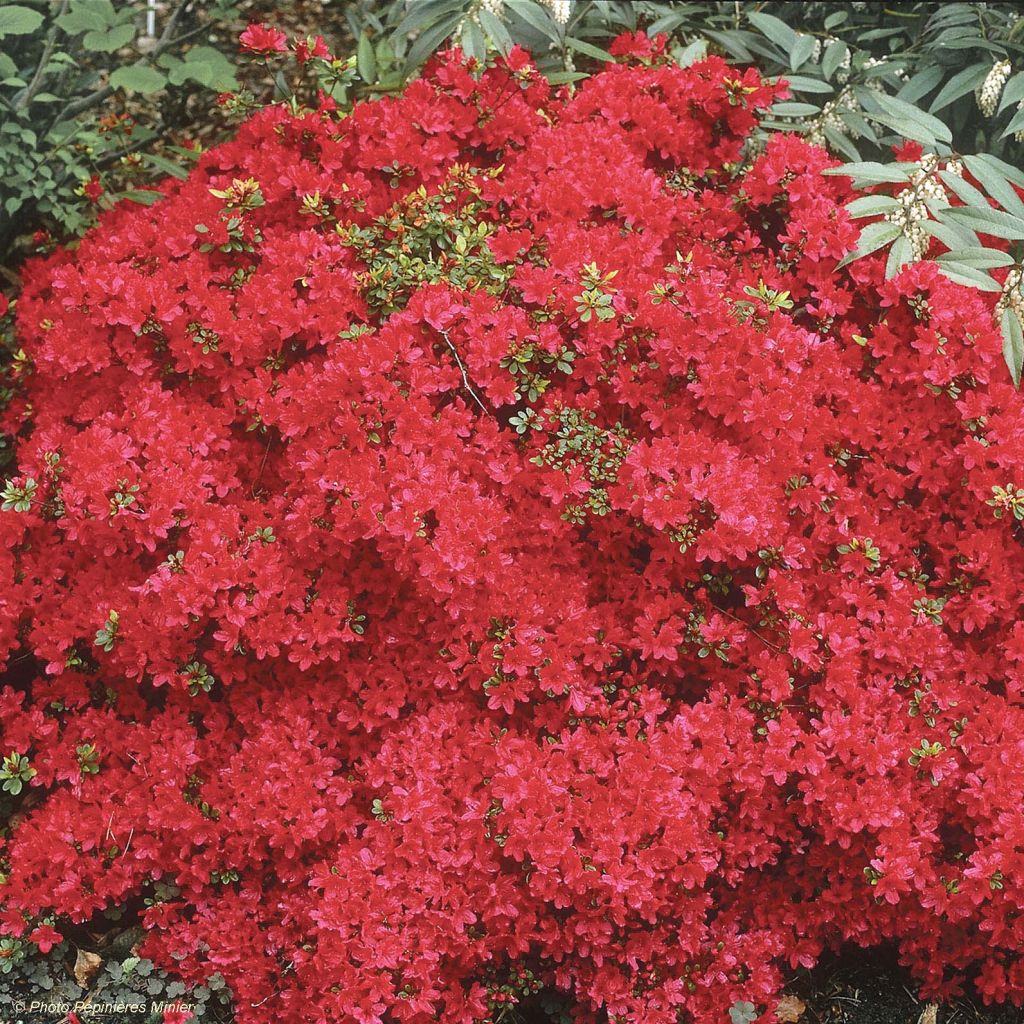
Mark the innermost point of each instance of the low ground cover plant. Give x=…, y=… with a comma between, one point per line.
x=482, y=548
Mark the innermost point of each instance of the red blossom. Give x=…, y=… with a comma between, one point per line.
x=262, y=39
x=46, y=937
x=305, y=49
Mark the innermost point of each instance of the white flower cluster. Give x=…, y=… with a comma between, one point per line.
x=991, y=89
x=831, y=118
x=913, y=209
x=1012, y=297
x=560, y=9
x=1018, y=136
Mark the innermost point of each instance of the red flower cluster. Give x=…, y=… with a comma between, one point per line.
x=482, y=544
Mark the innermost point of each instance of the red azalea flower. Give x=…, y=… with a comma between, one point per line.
x=311, y=47
x=93, y=189
x=262, y=39
x=46, y=937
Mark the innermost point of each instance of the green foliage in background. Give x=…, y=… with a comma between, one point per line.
x=72, y=73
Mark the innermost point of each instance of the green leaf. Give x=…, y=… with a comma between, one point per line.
x=790, y=109
x=871, y=173
x=801, y=52
x=995, y=184
x=970, y=277
x=1013, y=344
x=692, y=52
x=1016, y=124
x=959, y=85
x=872, y=238
x=564, y=77
x=426, y=13
x=910, y=121
x=474, y=44
x=169, y=167
x=900, y=254
x=921, y=83
x=495, y=30
x=835, y=54
x=580, y=46
x=535, y=16
x=137, y=78
x=7, y=66
x=1013, y=91
x=366, y=60
x=871, y=206
x=109, y=40
x=840, y=143
x=139, y=196
x=804, y=83
x=1008, y=171
x=429, y=40
x=742, y=1012
x=775, y=29
x=208, y=66
x=987, y=221
x=952, y=236
x=964, y=189
x=16, y=20
x=977, y=256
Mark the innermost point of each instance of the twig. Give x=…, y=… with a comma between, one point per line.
x=465, y=376
x=750, y=628
x=51, y=40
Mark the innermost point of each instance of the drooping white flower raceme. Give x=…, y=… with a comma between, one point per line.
x=991, y=89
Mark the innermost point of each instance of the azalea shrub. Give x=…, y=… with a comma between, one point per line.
x=480, y=549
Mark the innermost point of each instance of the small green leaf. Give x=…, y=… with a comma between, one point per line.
x=366, y=60
x=589, y=50
x=873, y=237
x=742, y=1012
x=1013, y=344
x=900, y=254
x=169, y=167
